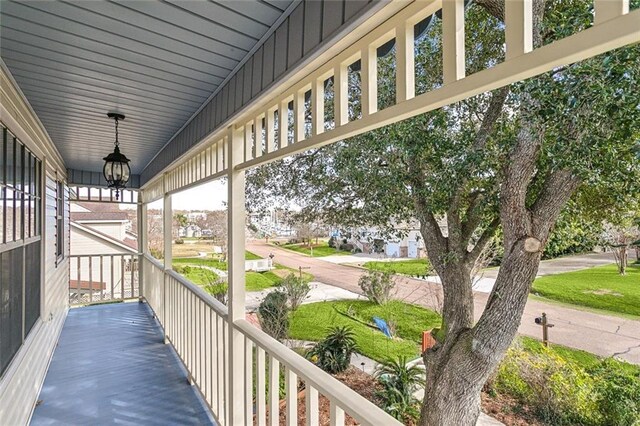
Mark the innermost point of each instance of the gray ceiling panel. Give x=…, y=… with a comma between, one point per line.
x=168, y=14
x=258, y=11
x=155, y=61
x=68, y=44
x=233, y=21
x=94, y=26
x=110, y=67
x=94, y=82
x=97, y=39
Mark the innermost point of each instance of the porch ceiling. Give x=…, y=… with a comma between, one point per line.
x=156, y=62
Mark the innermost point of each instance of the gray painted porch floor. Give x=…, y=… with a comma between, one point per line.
x=111, y=367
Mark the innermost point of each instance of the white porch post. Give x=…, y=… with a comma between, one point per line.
x=167, y=222
x=236, y=302
x=142, y=242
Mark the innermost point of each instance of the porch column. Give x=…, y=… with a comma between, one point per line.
x=167, y=222
x=142, y=242
x=235, y=250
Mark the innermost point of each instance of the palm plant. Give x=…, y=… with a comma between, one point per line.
x=333, y=353
x=400, y=382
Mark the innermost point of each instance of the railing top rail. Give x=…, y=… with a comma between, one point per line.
x=153, y=261
x=106, y=254
x=326, y=384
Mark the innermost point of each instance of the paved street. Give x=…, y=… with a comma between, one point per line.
x=600, y=334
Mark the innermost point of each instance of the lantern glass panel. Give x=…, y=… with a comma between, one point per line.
x=117, y=171
x=126, y=172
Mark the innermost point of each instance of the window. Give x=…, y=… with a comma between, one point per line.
x=20, y=252
x=59, y=221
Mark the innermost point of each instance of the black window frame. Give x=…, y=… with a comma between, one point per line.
x=21, y=250
x=60, y=237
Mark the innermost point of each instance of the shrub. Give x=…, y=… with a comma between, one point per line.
x=346, y=247
x=156, y=253
x=559, y=392
x=182, y=269
x=219, y=290
x=377, y=286
x=296, y=289
x=179, y=241
x=273, y=314
x=332, y=242
x=333, y=353
x=617, y=394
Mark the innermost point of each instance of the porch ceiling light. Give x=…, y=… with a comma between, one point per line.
x=116, y=167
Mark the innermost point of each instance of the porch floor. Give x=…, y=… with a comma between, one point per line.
x=111, y=366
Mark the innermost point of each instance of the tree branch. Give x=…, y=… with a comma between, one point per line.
x=486, y=237
x=558, y=187
x=498, y=98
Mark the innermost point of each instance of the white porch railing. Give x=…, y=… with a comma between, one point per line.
x=197, y=326
x=96, y=278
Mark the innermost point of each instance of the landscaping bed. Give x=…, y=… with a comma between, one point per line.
x=357, y=380
x=312, y=321
x=598, y=288
x=560, y=385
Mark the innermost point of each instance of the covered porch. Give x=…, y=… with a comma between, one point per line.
x=111, y=366
x=209, y=91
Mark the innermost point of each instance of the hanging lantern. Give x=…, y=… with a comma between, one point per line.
x=116, y=167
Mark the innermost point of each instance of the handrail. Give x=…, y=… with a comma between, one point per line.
x=110, y=277
x=329, y=386
x=120, y=253
x=155, y=262
x=196, y=325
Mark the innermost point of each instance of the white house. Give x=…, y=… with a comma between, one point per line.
x=103, y=252
x=406, y=243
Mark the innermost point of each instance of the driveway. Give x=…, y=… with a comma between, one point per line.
x=600, y=334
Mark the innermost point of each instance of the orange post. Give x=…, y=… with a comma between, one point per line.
x=427, y=341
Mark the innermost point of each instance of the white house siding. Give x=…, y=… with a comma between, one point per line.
x=83, y=242
x=112, y=272
x=114, y=229
x=21, y=382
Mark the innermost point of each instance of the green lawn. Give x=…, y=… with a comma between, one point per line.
x=211, y=261
x=319, y=250
x=254, y=281
x=599, y=288
x=199, y=276
x=405, y=267
x=312, y=321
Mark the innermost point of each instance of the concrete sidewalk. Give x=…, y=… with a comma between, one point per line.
x=600, y=334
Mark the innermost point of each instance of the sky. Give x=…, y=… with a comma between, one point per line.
x=208, y=196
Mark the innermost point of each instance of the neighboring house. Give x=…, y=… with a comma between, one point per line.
x=272, y=222
x=102, y=248
x=193, y=216
x=190, y=231
x=407, y=244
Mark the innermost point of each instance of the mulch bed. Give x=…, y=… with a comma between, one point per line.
x=356, y=379
x=508, y=411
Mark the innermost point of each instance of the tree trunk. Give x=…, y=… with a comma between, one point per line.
x=458, y=367
x=451, y=396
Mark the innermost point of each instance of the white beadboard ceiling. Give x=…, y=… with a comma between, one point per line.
x=156, y=62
